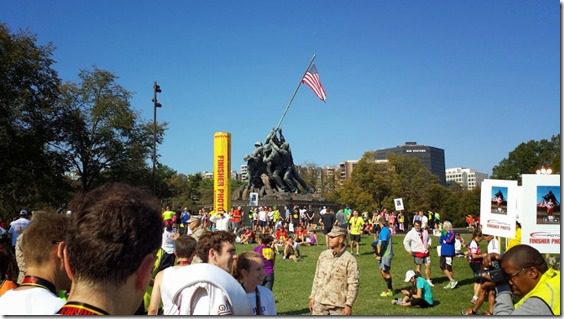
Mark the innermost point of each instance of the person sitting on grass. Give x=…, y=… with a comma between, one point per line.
x=281, y=236
x=301, y=233
x=292, y=249
x=248, y=236
x=420, y=294
x=311, y=239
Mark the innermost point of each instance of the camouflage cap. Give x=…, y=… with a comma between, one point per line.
x=337, y=231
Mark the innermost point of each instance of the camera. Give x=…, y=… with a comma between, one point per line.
x=494, y=273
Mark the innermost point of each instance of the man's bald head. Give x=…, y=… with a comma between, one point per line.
x=522, y=256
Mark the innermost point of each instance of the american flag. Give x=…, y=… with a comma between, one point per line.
x=311, y=78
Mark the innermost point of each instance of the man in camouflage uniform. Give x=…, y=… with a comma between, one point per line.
x=336, y=280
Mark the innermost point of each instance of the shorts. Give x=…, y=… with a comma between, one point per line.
x=476, y=269
x=422, y=260
x=446, y=263
x=386, y=263
x=420, y=302
x=355, y=238
x=262, y=223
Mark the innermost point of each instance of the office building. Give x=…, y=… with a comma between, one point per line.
x=432, y=158
x=467, y=178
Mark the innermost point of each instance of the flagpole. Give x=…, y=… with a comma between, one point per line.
x=295, y=92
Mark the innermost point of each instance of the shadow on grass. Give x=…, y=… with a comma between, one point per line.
x=303, y=311
x=463, y=282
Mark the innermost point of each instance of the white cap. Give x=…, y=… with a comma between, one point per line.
x=409, y=274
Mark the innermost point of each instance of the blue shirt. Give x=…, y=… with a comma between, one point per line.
x=184, y=217
x=426, y=293
x=385, y=241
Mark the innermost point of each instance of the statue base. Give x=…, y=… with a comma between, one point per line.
x=312, y=201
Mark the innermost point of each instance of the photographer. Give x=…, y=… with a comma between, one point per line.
x=528, y=276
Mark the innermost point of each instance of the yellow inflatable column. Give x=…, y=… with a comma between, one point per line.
x=221, y=171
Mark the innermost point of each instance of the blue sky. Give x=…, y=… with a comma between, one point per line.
x=475, y=78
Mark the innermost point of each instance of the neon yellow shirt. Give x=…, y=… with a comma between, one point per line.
x=167, y=214
x=356, y=225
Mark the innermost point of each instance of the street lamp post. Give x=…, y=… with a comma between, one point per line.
x=156, y=89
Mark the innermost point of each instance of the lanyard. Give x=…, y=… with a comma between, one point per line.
x=34, y=281
x=80, y=309
x=257, y=300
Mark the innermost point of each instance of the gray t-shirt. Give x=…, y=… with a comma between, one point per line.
x=341, y=219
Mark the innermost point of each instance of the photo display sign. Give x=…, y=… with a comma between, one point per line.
x=253, y=199
x=398, y=202
x=540, y=212
x=498, y=207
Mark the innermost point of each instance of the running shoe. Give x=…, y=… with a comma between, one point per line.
x=449, y=285
x=388, y=293
x=430, y=283
x=453, y=284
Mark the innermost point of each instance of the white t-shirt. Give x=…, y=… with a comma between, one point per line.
x=424, y=221
x=206, y=300
x=457, y=245
x=221, y=223
x=474, y=247
x=262, y=215
x=267, y=304
x=170, y=275
x=32, y=301
x=167, y=242
x=205, y=289
x=17, y=227
x=493, y=246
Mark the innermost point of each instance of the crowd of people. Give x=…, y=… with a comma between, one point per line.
x=118, y=253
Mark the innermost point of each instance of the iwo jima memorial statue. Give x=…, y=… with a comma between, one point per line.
x=270, y=167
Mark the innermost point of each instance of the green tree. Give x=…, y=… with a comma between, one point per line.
x=527, y=157
x=31, y=174
x=106, y=140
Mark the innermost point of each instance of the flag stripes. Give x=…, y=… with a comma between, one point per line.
x=311, y=78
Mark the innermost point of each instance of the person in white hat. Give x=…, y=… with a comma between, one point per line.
x=420, y=295
x=18, y=226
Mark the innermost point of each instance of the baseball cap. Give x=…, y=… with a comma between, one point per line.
x=24, y=213
x=408, y=275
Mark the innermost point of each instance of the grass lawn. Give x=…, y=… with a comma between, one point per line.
x=293, y=280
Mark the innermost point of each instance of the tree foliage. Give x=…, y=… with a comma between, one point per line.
x=527, y=157
x=30, y=173
x=375, y=185
x=105, y=139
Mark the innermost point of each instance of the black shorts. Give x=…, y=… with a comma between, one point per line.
x=446, y=263
x=420, y=302
x=355, y=238
x=326, y=231
x=476, y=269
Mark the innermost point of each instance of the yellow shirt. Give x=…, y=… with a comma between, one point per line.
x=167, y=214
x=515, y=241
x=356, y=225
